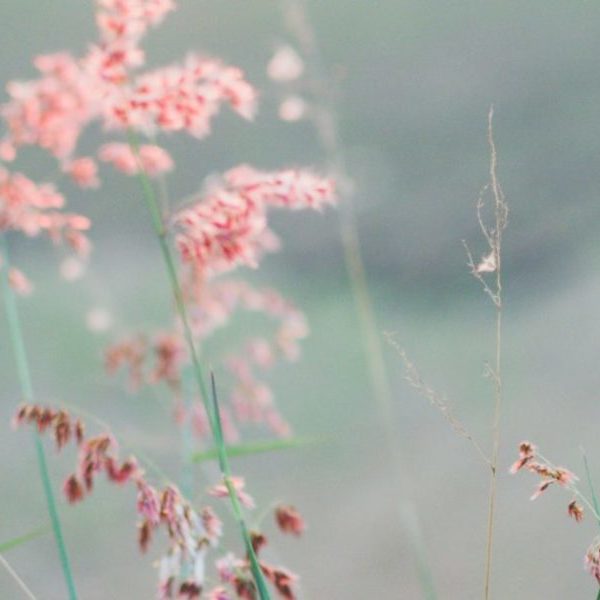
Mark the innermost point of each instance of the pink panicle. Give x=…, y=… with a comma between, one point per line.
x=35, y=209
x=228, y=226
x=530, y=460
x=51, y=111
x=182, y=97
x=189, y=534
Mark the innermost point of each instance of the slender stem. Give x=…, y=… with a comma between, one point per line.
x=494, y=460
x=213, y=417
x=596, y=504
x=494, y=238
x=20, y=353
x=326, y=127
x=17, y=579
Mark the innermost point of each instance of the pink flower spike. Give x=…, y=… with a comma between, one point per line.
x=221, y=491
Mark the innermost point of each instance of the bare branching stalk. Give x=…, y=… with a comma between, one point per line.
x=492, y=263
x=437, y=400
x=325, y=122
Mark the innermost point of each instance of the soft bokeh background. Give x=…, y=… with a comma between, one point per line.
x=419, y=77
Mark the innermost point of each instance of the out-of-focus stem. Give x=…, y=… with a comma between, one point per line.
x=324, y=117
x=153, y=206
x=17, y=341
x=22, y=585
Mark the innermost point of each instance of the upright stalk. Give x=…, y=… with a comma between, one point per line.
x=20, y=353
x=495, y=449
x=494, y=238
x=153, y=206
x=326, y=127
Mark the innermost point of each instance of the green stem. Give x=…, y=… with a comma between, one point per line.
x=235, y=503
x=214, y=418
x=326, y=127
x=588, y=475
x=24, y=375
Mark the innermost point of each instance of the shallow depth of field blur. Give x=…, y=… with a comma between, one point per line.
x=416, y=82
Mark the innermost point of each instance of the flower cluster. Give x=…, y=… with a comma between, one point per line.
x=163, y=357
x=34, y=209
x=227, y=227
x=592, y=559
x=63, y=427
x=530, y=460
x=190, y=533
x=289, y=520
x=237, y=573
x=182, y=97
x=165, y=351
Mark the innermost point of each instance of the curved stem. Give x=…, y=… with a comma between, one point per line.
x=18, y=345
x=160, y=230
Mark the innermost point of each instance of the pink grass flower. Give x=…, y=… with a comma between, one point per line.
x=153, y=160
x=35, y=209
x=180, y=97
x=289, y=520
x=221, y=491
x=592, y=560
x=228, y=226
x=83, y=171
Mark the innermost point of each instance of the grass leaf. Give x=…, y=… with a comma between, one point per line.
x=258, y=447
x=591, y=486
x=23, y=539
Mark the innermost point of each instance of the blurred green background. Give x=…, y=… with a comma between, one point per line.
x=419, y=77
